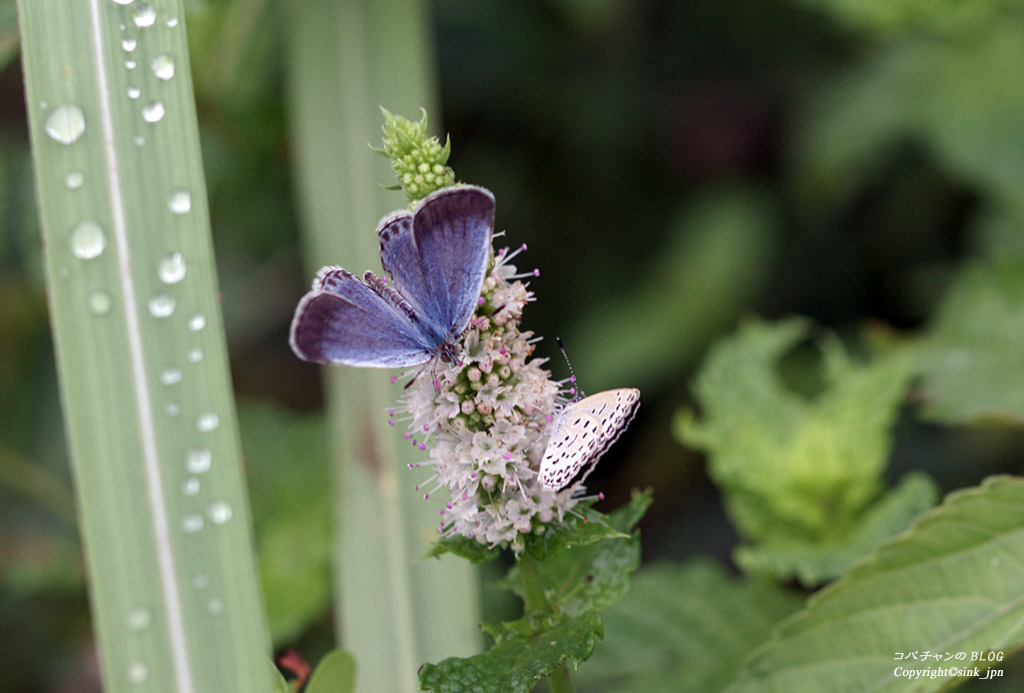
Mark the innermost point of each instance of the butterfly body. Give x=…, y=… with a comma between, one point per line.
x=436, y=258
x=583, y=431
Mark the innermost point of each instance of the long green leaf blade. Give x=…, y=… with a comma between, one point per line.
x=140, y=347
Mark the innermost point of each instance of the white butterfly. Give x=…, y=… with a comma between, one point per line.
x=584, y=430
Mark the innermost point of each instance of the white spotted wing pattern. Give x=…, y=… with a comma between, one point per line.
x=584, y=431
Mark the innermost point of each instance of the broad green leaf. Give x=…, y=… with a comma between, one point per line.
x=141, y=353
x=683, y=628
x=813, y=563
x=517, y=661
x=572, y=531
x=594, y=576
x=975, y=348
x=793, y=468
x=951, y=584
x=336, y=673
x=287, y=463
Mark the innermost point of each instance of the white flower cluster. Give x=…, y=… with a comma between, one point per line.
x=486, y=422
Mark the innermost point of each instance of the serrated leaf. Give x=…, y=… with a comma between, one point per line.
x=463, y=547
x=336, y=673
x=572, y=531
x=791, y=467
x=813, y=563
x=683, y=628
x=975, y=346
x=594, y=576
x=518, y=661
x=951, y=584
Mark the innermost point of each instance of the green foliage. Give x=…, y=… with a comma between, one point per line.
x=974, y=349
x=951, y=584
x=683, y=627
x=583, y=568
x=336, y=673
x=798, y=474
x=287, y=458
x=417, y=160
x=8, y=31
x=522, y=655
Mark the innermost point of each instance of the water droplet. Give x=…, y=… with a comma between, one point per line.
x=170, y=376
x=172, y=22
x=123, y=2
x=153, y=112
x=130, y=64
x=66, y=124
x=214, y=606
x=196, y=323
x=99, y=303
x=138, y=672
x=207, y=422
x=172, y=409
x=194, y=356
x=43, y=105
x=161, y=305
x=163, y=66
x=219, y=512
x=139, y=141
x=134, y=92
x=191, y=486
x=171, y=269
x=128, y=44
x=144, y=15
x=192, y=523
x=198, y=460
x=75, y=180
x=87, y=240
x=179, y=202
x=139, y=619
x=201, y=581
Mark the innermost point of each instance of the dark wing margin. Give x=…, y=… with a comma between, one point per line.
x=342, y=321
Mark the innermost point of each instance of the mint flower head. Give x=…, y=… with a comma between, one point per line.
x=485, y=422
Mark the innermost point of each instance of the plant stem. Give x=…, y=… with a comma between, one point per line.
x=535, y=600
x=533, y=589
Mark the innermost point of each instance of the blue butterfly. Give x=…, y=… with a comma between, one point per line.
x=436, y=258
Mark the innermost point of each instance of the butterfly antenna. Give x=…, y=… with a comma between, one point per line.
x=577, y=393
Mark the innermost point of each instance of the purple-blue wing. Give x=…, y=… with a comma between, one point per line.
x=437, y=257
x=343, y=321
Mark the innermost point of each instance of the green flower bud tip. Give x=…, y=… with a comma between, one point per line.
x=418, y=161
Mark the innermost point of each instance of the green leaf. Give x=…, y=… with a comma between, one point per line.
x=792, y=468
x=336, y=673
x=572, y=531
x=463, y=547
x=287, y=462
x=813, y=563
x=141, y=352
x=594, y=576
x=517, y=661
x=951, y=584
x=975, y=348
x=889, y=16
x=683, y=628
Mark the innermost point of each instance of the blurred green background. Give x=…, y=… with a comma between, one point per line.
x=672, y=166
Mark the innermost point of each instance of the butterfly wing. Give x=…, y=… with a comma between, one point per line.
x=583, y=432
x=343, y=321
x=437, y=257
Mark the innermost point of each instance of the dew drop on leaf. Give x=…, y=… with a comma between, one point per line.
x=194, y=355
x=190, y=486
x=139, y=619
x=66, y=124
x=196, y=323
x=207, y=422
x=87, y=240
x=99, y=303
x=198, y=460
x=171, y=269
x=153, y=112
x=179, y=202
x=191, y=523
x=138, y=672
x=163, y=66
x=161, y=306
x=170, y=376
x=219, y=512
x=144, y=16
x=128, y=44
x=75, y=180
x=134, y=93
